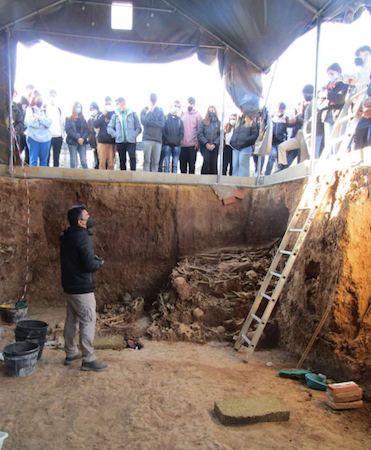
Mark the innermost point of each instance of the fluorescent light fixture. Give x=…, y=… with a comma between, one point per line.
x=122, y=16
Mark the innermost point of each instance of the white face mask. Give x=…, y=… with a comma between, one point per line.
x=232, y=122
x=52, y=100
x=109, y=108
x=94, y=112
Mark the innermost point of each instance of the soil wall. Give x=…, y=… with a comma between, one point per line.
x=334, y=268
x=141, y=231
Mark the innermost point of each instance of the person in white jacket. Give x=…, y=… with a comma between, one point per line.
x=54, y=113
x=38, y=133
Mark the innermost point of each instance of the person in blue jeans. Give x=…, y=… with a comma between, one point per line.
x=39, y=136
x=243, y=138
x=77, y=133
x=172, y=135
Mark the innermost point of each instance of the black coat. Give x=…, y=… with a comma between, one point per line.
x=72, y=135
x=102, y=123
x=78, y=262
x=18, y=118
x=173, y=131
x=153, y=122
x=244, y=137
x=209, y=134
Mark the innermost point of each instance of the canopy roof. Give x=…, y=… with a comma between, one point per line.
x=246, y=36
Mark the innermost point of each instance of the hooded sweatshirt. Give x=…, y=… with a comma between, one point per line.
x=191, y=121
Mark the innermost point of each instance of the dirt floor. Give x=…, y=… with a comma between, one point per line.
x=162, y=397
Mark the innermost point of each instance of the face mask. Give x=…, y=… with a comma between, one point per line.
x=119, y=109
x=52, y=101
x=109, y=108
x=174, y=110
x=358, y=61
x=90, y=223
x=78, y=110
x=39, y=104
x=211, y=115
x=308, y=97
x=94, y=112
x=232, y=122
x=280, y=115
x=190, y=108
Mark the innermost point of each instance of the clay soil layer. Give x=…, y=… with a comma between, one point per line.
x=162, y=397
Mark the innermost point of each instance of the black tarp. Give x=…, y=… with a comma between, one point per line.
x=246, y=36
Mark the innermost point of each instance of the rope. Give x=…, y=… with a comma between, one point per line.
x=28, y=215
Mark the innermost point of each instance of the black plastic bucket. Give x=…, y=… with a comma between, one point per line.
x=33, y=331
x=20, y=358
x=14, y=315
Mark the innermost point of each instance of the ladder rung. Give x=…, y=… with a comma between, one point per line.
x=275, y=274
x=258, y=319
x=265, y=296
x=246, y=339
x=285, y=252
x=305, y=208
x=296, y=230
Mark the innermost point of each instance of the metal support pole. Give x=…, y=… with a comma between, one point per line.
x=314, y=102
x=222, y=119
x=10, y=101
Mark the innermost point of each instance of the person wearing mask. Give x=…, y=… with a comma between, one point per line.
x=92, y=132
x=153, y=121
x=30, y=88
x=361, y=77
x=106, y=143
x=38, y=132
x=227, y=150
x=172, y=135
x=124, y=127
x=297, y=141
x=280, y=124
x=209, y=138
x=79, y=264
x=188, y=152
x=56, y=128
x=244, y=136
x=77, y=134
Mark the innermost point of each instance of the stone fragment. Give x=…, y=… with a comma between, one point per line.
x=220, y=330
x=252, y=275
x=250, y=410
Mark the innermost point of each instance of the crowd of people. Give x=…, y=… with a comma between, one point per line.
x=174, y=139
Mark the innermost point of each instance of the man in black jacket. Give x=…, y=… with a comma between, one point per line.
x=106, y=143
x=78, y=280
x=172, y=136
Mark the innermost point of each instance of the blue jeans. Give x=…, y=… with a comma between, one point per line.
x=272, y=159
x=241, y=162
x=81, y=150
x=38, y=150
x=174, y=152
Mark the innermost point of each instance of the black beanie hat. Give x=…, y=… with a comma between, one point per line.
x=94, y=106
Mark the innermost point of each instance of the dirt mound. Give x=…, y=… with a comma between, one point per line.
x=209, y=295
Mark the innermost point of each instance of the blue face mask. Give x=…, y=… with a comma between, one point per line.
x=119, y=109
x=78, y=110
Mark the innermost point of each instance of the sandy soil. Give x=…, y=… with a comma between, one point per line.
x=162, y=397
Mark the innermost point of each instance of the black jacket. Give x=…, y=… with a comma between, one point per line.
x=209, y=134
x=78, y=261
x=71, y=132
x=18, y=118
x=153, y=123
x=102, y=122
x=173, y=131
x=92, y=138
x=244, y=137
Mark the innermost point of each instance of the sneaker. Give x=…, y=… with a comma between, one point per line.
x=96, y=365
x=70, y=359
